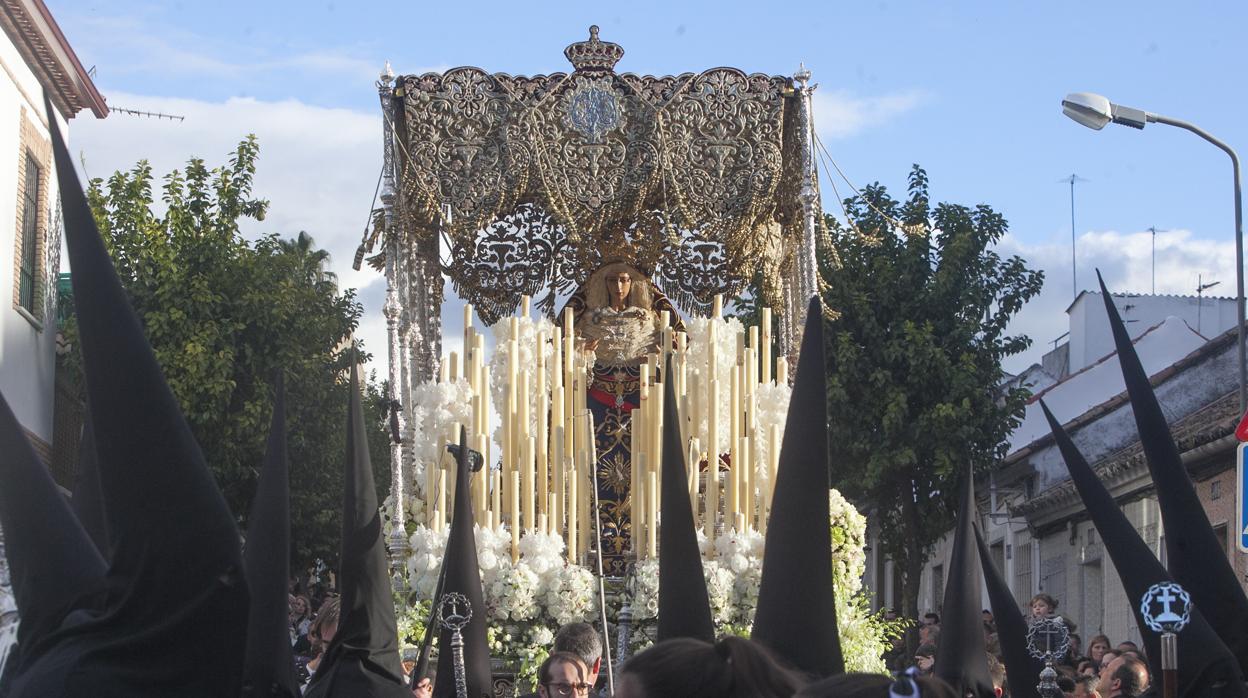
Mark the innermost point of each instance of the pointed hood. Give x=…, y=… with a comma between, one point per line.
x=175, y=580
x=796, y=612
x=1206, y=666
x=1021, y=668
x=462, y=575
x=269, y=667
x=363, y=657
x=960, y=657
x=1194, y=556
x=54, y=567
x=684, y=605
x=88, y=501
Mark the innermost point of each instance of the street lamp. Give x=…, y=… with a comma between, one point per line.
x=1095, y=111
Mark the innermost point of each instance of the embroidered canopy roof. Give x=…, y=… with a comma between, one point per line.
x=534, y=181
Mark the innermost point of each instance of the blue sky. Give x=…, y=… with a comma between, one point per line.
x=970, y=90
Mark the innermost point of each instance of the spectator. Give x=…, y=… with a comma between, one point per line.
x=1125, y=677
x=931, y=619
x=1085, y=686
x=1128, y=646
x=423, y=687
x=925, y=658
x=929, y=635
x=321, y=634
x=686, y=668
x=563, y=675
x=1097, y=647
x=1043, y=606
x=997, y=671
x=582, y=640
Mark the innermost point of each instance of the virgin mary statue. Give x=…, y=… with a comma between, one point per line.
x=618, y=319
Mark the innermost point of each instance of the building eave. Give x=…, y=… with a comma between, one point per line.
x=45, y=49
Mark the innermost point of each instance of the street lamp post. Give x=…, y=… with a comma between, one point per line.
x=1095, y=111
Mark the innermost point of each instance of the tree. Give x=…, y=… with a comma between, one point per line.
x=914, y=360
x=223, y=315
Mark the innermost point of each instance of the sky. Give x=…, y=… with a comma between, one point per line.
x=969, y=90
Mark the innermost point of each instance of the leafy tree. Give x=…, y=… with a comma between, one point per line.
x=914, y=360
x=224, y=315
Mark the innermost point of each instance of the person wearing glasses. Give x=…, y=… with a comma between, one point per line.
x=562, y=675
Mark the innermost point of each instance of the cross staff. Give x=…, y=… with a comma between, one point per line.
x=1169, y=624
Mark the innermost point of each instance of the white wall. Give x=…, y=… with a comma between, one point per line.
x=27, y=353
x=1090, y=337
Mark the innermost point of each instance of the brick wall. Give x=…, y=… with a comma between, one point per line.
x=34, y=144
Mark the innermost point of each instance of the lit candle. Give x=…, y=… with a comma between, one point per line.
x=454, y=368
x=717, y=306
x=782, y=371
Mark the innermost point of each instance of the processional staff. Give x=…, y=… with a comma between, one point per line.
x=1167, y=596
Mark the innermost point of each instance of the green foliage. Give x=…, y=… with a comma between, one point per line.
x=223, y=315
x=914, y=359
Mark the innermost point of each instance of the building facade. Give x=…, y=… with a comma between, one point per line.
x=36, y=60
x=1037, y=529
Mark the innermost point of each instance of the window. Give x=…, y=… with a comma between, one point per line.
x=28, y=281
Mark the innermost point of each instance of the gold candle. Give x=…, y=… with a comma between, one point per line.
x=765, y=345
x=515, y=516
x=530, y=505
x=733, y=505
x=571, y=536
x=652, y=528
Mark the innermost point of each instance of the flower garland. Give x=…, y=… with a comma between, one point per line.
x=530, y=598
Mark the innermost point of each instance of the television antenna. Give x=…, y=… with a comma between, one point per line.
x=1153, y=229
x=148, y=114
x=1200, y=290
x=1074, y=278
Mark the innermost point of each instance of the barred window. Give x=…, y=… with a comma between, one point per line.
x=29, y=272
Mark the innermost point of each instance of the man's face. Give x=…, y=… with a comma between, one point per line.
x=563, y=680
x=924, y=663
x=423, y=689
x=1108, y=685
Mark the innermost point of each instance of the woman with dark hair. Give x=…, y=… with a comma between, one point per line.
x=686, y=668
x=877, y=686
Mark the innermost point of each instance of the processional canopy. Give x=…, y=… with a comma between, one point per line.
x=534, y=181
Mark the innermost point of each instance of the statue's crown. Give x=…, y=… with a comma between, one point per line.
x=594, y=54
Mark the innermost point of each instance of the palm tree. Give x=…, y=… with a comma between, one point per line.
x=309, y=261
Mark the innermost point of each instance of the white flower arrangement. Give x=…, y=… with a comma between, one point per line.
x=529, y=599
x=526, y=343
x=571, y=595
x=436, y=409
x=513, y=594
x=727, y=332
x=771, y=405
x=719, y=590
x=646, y=590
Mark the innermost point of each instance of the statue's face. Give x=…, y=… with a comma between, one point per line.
x=619, y=285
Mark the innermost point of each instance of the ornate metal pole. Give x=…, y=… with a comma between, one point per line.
x=455, y=612
x=806, y=263
x=1048, y=639
x=393, y=311
x=624, y=632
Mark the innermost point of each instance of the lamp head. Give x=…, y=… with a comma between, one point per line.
x=1094, y=111
x=1091, y=110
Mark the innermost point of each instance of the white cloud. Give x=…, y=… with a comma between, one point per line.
x=318, y=167
x=841, y=113
x=1125, y=261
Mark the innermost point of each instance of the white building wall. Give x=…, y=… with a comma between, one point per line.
x=27, y=345
x=1090, y=337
